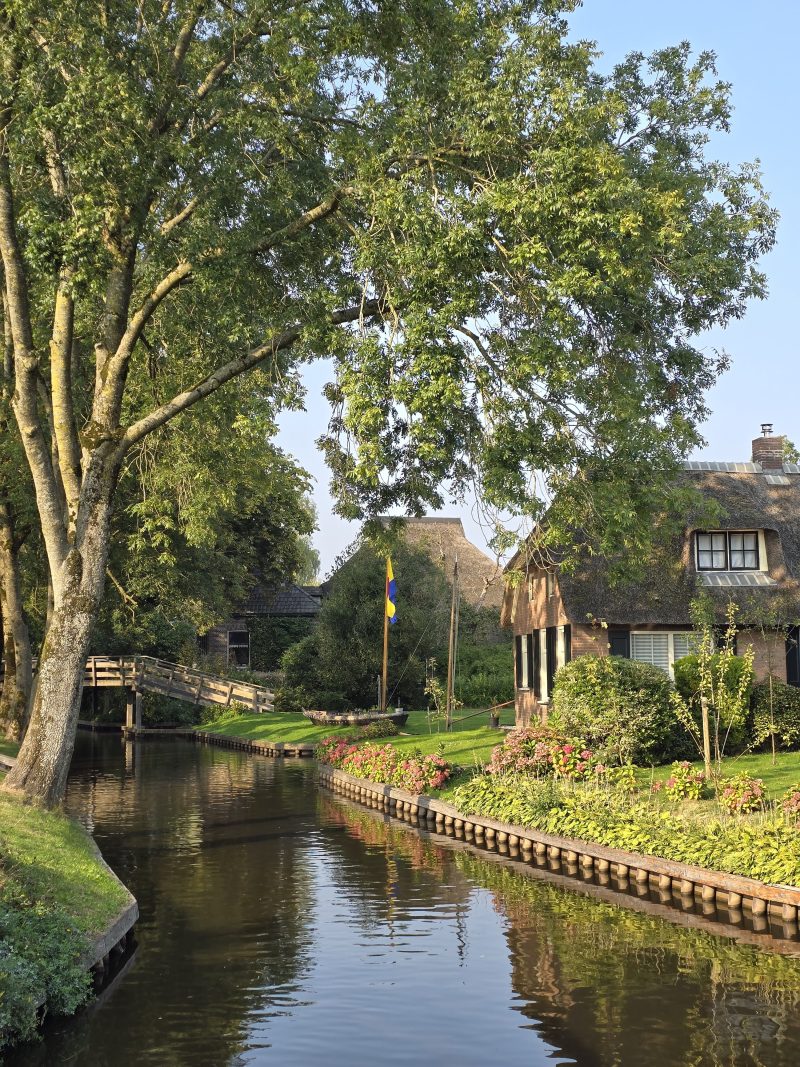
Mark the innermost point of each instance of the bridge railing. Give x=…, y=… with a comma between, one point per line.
x=175, y=680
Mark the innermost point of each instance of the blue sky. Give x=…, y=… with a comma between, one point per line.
x=756, y=47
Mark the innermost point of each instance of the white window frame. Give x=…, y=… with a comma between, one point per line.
x=561, y=648
x=670, y=635
x=524, y=666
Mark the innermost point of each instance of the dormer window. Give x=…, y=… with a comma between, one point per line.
x=728, y=550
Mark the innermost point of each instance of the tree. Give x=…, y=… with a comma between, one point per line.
x=206, y=510
x=339, y=662
x=506, y=253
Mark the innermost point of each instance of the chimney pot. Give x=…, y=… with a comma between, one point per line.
x=768, y=450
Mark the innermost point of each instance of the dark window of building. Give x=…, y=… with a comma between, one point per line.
x=530, y=681
x=239, y=647
x=551, y=644
x=619, y=643
x=793, y=656
x=518, y=661
x=567, y=643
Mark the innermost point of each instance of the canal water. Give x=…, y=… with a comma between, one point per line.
x=283, y=925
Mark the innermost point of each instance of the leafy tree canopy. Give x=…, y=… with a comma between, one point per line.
x=507, y=254
x=339, y=662
x=526, y=247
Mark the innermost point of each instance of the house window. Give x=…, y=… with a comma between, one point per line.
x=550, y=583
x=239, y=648
x=727, y=551
x=546, y=665
x=661, y=649
x=524, y=669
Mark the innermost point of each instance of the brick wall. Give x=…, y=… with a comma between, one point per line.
x=769, y=654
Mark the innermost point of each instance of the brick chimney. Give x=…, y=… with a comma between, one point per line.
x=768, y=449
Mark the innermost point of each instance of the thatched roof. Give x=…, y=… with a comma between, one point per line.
x=750, y=499
x=442, y=539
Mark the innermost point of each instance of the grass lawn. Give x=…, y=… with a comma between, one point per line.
x=50, y=858
x=469, y=744
x=777, y=778
x=8, y=748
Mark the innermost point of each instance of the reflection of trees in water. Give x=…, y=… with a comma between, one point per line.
x=605, y=984
x=384, y=869
x=208, y=840
x=633, y=989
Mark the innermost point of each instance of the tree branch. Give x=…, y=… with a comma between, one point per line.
x=177, y=276
x=302, y=222
x=236, y=367
x=186, y=212
x=26, y=361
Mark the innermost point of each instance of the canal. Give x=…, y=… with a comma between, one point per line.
x=282, y=925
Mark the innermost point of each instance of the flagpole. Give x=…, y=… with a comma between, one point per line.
x=385, y=683
x=451, y=652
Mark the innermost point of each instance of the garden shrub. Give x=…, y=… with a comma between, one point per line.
x=733, y=730
x=525, y=750
x=790, y=804
x=768, y=849
x=742, y=794
x=620, y=707
x=777, y=714
x=684, y=782
x=40, y=962
x=383, y=763
x=372, y=730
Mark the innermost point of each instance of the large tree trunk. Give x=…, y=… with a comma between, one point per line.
x=43, y=762
x=16, y=639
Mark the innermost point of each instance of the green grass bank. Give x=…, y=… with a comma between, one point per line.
x=468, y=745
x=56, y=896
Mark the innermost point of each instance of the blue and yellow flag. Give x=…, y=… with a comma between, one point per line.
x=391, y=593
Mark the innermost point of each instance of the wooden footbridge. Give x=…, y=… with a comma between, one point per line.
x=140, y=674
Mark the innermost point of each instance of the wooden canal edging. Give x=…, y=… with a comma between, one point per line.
x=243, y=744
x=683, y=882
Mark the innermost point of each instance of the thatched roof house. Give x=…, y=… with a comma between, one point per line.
x=750, y=555
x=443, y=539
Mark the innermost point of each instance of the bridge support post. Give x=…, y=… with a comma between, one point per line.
x=137, y=700
x=129, y=708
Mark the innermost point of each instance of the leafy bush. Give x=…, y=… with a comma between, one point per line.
x=216, y=712
x=790, y=804
x=728, y=673
x=272, y=635
x=40, y=953
x=383, y=763
x=619, y=706
x=768, y=850
x=372, y=730
x=525, y=750
x=776, y=713
x=485, y=674
x=742, y=795
x=684, y=782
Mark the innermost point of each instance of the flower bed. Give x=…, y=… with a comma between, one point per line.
x=383, y=763
x=767, y=848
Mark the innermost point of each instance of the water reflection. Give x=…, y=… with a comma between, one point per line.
x=281, y=924
x=608, y=985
